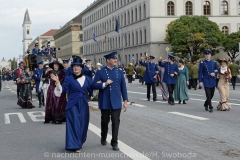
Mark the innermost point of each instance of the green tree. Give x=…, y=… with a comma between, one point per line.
x=193, y=34
x=13, y=63
x=230, y=44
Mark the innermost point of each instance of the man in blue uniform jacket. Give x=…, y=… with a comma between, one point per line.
x=207, y=74
x=170, y=73
x=36, y=49
x=88, y=69
x=38, y=77
x=150, y=76
x=112, y=91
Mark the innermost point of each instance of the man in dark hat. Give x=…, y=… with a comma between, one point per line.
x=38, y=77
x=65, y=64
x=150, y=76
x=36, y=49
x=207, y=74
x=112, y=91
x=88, y=69
x=170, y=73
x=49, y=51
x=16, y=77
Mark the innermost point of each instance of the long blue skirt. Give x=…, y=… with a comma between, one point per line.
x=77, y=120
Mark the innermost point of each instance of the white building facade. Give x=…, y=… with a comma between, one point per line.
x=144, y=23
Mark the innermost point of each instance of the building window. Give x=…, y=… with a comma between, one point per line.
x=224, y=8
x=136, y=15
x=132, y=16
x=206, y=8
x=140, y=36
x=119, y=45
x=170, y=8
x=145, y=36
x=189, y=8
x=136, y=38
x=27, y=31
x=128, y=18
x=239, y=8
x=140, y=12
x=132, y=39
x=81, y=37
x=125, y=19
x=144, y=11
x=129, y=39
x=225, y=30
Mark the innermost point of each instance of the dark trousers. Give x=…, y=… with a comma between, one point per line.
x=153, y=85
x=115, y=118
x=130, y=78
x=209, y=95
x=170, y=91
x=194, y=83
x=190, y=84
x=140, y=78
x=0, y=82
x=233, y=80
x=18, y=89
x=41, y=99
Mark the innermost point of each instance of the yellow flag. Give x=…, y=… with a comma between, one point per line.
x=105, y=39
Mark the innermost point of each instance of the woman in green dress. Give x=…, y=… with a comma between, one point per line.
x=181, y=89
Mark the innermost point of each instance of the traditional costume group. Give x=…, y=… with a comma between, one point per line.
x=65, y=91
x=66, y=97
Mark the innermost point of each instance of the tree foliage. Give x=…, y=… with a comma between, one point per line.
x=193, y=34
x=13, y=63
x=231, y=44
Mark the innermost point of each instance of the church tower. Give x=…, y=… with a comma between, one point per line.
x=27, y=38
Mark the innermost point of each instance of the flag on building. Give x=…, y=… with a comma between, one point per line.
x=94, y=37
x=117, y=27
x=105, y=39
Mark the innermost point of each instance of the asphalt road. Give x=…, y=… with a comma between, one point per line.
x=148, y=130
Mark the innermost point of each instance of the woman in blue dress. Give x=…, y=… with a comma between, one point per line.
x=181, y=89
x=77, y=109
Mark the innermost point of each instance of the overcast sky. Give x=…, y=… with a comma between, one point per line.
x=44, y=14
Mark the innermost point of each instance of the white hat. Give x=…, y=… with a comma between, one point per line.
x=99, y=64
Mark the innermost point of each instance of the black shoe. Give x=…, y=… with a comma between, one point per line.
x=184, y=102
x=195, y=88
x=233, y=88
x=211, y=110
x=206, y=108
x=40, y=106
x=103, y=142
x=43, y=104
x=155, y=100
x=179, y=102
x=115, y=148
x=148, y=99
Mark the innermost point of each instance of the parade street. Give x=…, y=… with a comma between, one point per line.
x=148, y=130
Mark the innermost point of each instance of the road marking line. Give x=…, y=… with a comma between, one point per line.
x=20, y=116
x=135, y=104
x=189, y=116
x=129, y=151
x=34, y=117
